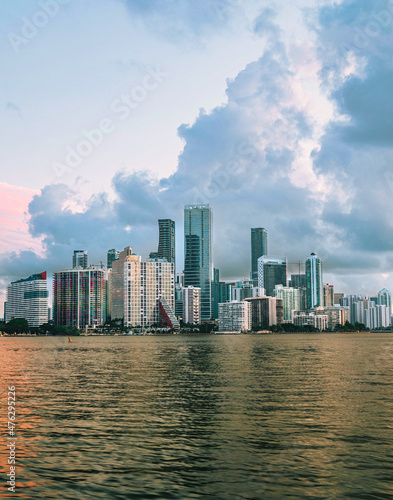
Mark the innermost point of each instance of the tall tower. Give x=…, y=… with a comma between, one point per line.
x=314, y=281
x=79, y=259
x=166, y=241
x=258, y=248
x=272, y=271
x=198, y=253
x=111, y=256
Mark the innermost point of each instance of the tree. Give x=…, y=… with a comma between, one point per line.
x=17, y=325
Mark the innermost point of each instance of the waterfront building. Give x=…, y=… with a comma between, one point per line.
x=79, y=297
x=215, y=287
x=265, y=311
x=258, y=248
x=191, y=305
x=198, y=267
x=80, y=259
x=234, y=316
x=245, y=288
x=376, y=316
x=117, y=282
x=28, y=298
x=291, y=300
x=328, y=295
x=272, y=271
x=310, y=318
x=337, y=315
x=149, y=295
x=314, y=281
x=111, y=256
x=166, y=241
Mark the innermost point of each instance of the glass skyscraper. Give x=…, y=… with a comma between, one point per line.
x=198, y=253
x=166, y=241
x=314, y=281
x=111, y=256
x=272, y=271
x=79, y=259
x=258, y=248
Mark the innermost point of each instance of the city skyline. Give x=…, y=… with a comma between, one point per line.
x=205, y=128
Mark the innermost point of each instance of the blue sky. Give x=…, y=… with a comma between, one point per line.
x=278, y=115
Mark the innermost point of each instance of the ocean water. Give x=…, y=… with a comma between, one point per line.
x=200, y=417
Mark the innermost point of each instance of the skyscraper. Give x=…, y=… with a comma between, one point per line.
x=28, y=299
x=314, y=281
x=328, y=295
x=385, y=299
x=215, y=292
x=117, y=282
x=258, y=248
x=272, y=271
x=111, y=256
x=79, y=297
x=79, y=259
x=198, y=253
x=166, y=241
x=149, y=294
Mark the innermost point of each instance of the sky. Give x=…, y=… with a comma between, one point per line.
x=118, y=112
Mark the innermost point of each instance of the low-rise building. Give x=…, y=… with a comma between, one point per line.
x=234, y=316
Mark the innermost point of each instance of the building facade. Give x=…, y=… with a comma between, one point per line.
x=191, y=305
x=79, y=297
x=117, y=282
x=198, y=253
x=265, y=311
x=80, y=259
x=111, y=256
x=328, y=295
x=258, y=248
x=166, y=241
x=314, y=281
x=149, y=295
x=310, y=318
x=290, y=298
x=272, y=271
x=28, y=299
x=385, y=299
x=234, y=316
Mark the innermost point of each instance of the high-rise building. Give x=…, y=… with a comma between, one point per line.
x=149, y=296
x=310, y=318
x=79, y=297
x=191, y=305
x=337, y=298
x=179, y=280
x=297, y=280
x=272, y=271
x=265, y=312
x=28, y=299
x=117, y=282
x=234, y=316
x=80, y=259
x=215, y=292
x=337, y=315
x=258, y=248
x=225, y=292
x=245, y=288
x=385, y=299
x=198, y=253
x=314, y=281
x=166, y=241
x=111, y=256
x=291, y=300
x=377, y=316
x=328, y=295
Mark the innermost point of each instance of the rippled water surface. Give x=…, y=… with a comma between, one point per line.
x=212, y=417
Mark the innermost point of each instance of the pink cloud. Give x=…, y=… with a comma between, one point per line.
x=14, y=233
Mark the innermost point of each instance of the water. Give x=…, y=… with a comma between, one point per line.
x=211, y=417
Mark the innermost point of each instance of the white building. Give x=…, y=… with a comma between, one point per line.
x=149, y=293
x=291, y=300
x=337, y=315
x=191, y=305
x=234, y=316
x=28, y=299
x=385, y=299
x=310, y=318
x=377, y=316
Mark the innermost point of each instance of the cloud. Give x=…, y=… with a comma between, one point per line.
x=259, y=160
x=13, y=108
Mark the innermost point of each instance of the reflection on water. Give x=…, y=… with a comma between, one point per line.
x=215, y=417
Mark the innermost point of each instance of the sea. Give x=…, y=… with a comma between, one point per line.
x=285, y=416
